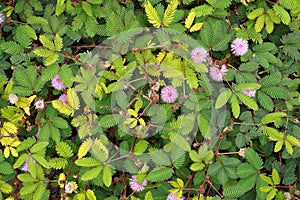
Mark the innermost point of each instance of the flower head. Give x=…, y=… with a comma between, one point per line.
x=199, y=55
x=13, y=98
x=217, y=74
x=172, y=196
x=169, y=94
x=2, y=18
x=57, y=83
x=135, y=186
x=249, y=93
x=39, y=104
x=239, y=47
x=25, y=166
x=69, y=188
x=63, y=98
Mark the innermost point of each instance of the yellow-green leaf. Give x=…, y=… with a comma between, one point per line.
x=269, y=24
x=58, y=43
x=87, y=8
x=235, y=107
x=152, y=15
x=223, y=98
x=275, y=177
x=259, y=23
x=189, y=20
x=278, y=145
x=47, y=42
x=132, y=112
x=289, y=147
x=170, y=12
x=196, y=27
x=255, y=13
x=294, y=141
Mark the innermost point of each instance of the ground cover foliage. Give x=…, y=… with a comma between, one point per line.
x=189, y=99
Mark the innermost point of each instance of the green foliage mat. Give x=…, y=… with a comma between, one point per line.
x=149, y=99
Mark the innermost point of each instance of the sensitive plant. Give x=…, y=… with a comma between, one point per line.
x=112, y=100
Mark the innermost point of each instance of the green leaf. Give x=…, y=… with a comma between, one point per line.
x=160, y=174
x=40, y=146
x=87, y=162
x=26, y=178
x=189, y=20
x=255, y=13
x=41, y=160
x=253, y=158
x=90, y=195
x=37, y=20
x=148, y=196
x=266, y=179
x=250, y=103
x=235, y=107
x=107, y=176
x=272, y=194
x=294, y=141
x=95, y=1
x=64, y=150
x=87, y=8
x=247, y=86
x=244, y=170
x=195, y=156
x=272, y=117
x=21, y=159
x=275, y=177
x=170, y=12
x=265, y=101
x=222, y=176
x=223, y=98
x=92, y=173
x=152, y=15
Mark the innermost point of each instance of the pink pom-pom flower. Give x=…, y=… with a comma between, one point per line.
x=57, y=83
x=135, y=186
x=239, y=47
x=63, y=98
x=172, y=196
x=199, y=55
x=169, y=94
x=217, y=74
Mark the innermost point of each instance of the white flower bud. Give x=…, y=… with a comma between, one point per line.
x=39, y=104
x=13, y=98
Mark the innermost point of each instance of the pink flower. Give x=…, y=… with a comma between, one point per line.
x=217, y=74
x=135, y=186
x=169, y=94
x=63, y=98
x=199, y=55
x=57, y=83
x=2, y=18
x=249, y=93
x=239, y=47
x=69, y=188
x=172, y=196
x=25, y=166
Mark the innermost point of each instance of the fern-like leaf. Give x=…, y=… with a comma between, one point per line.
x=152, y=15
x=58, y=163
x=160, y=174
x=170, y=12
x=253, y=158
x=64, y=150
